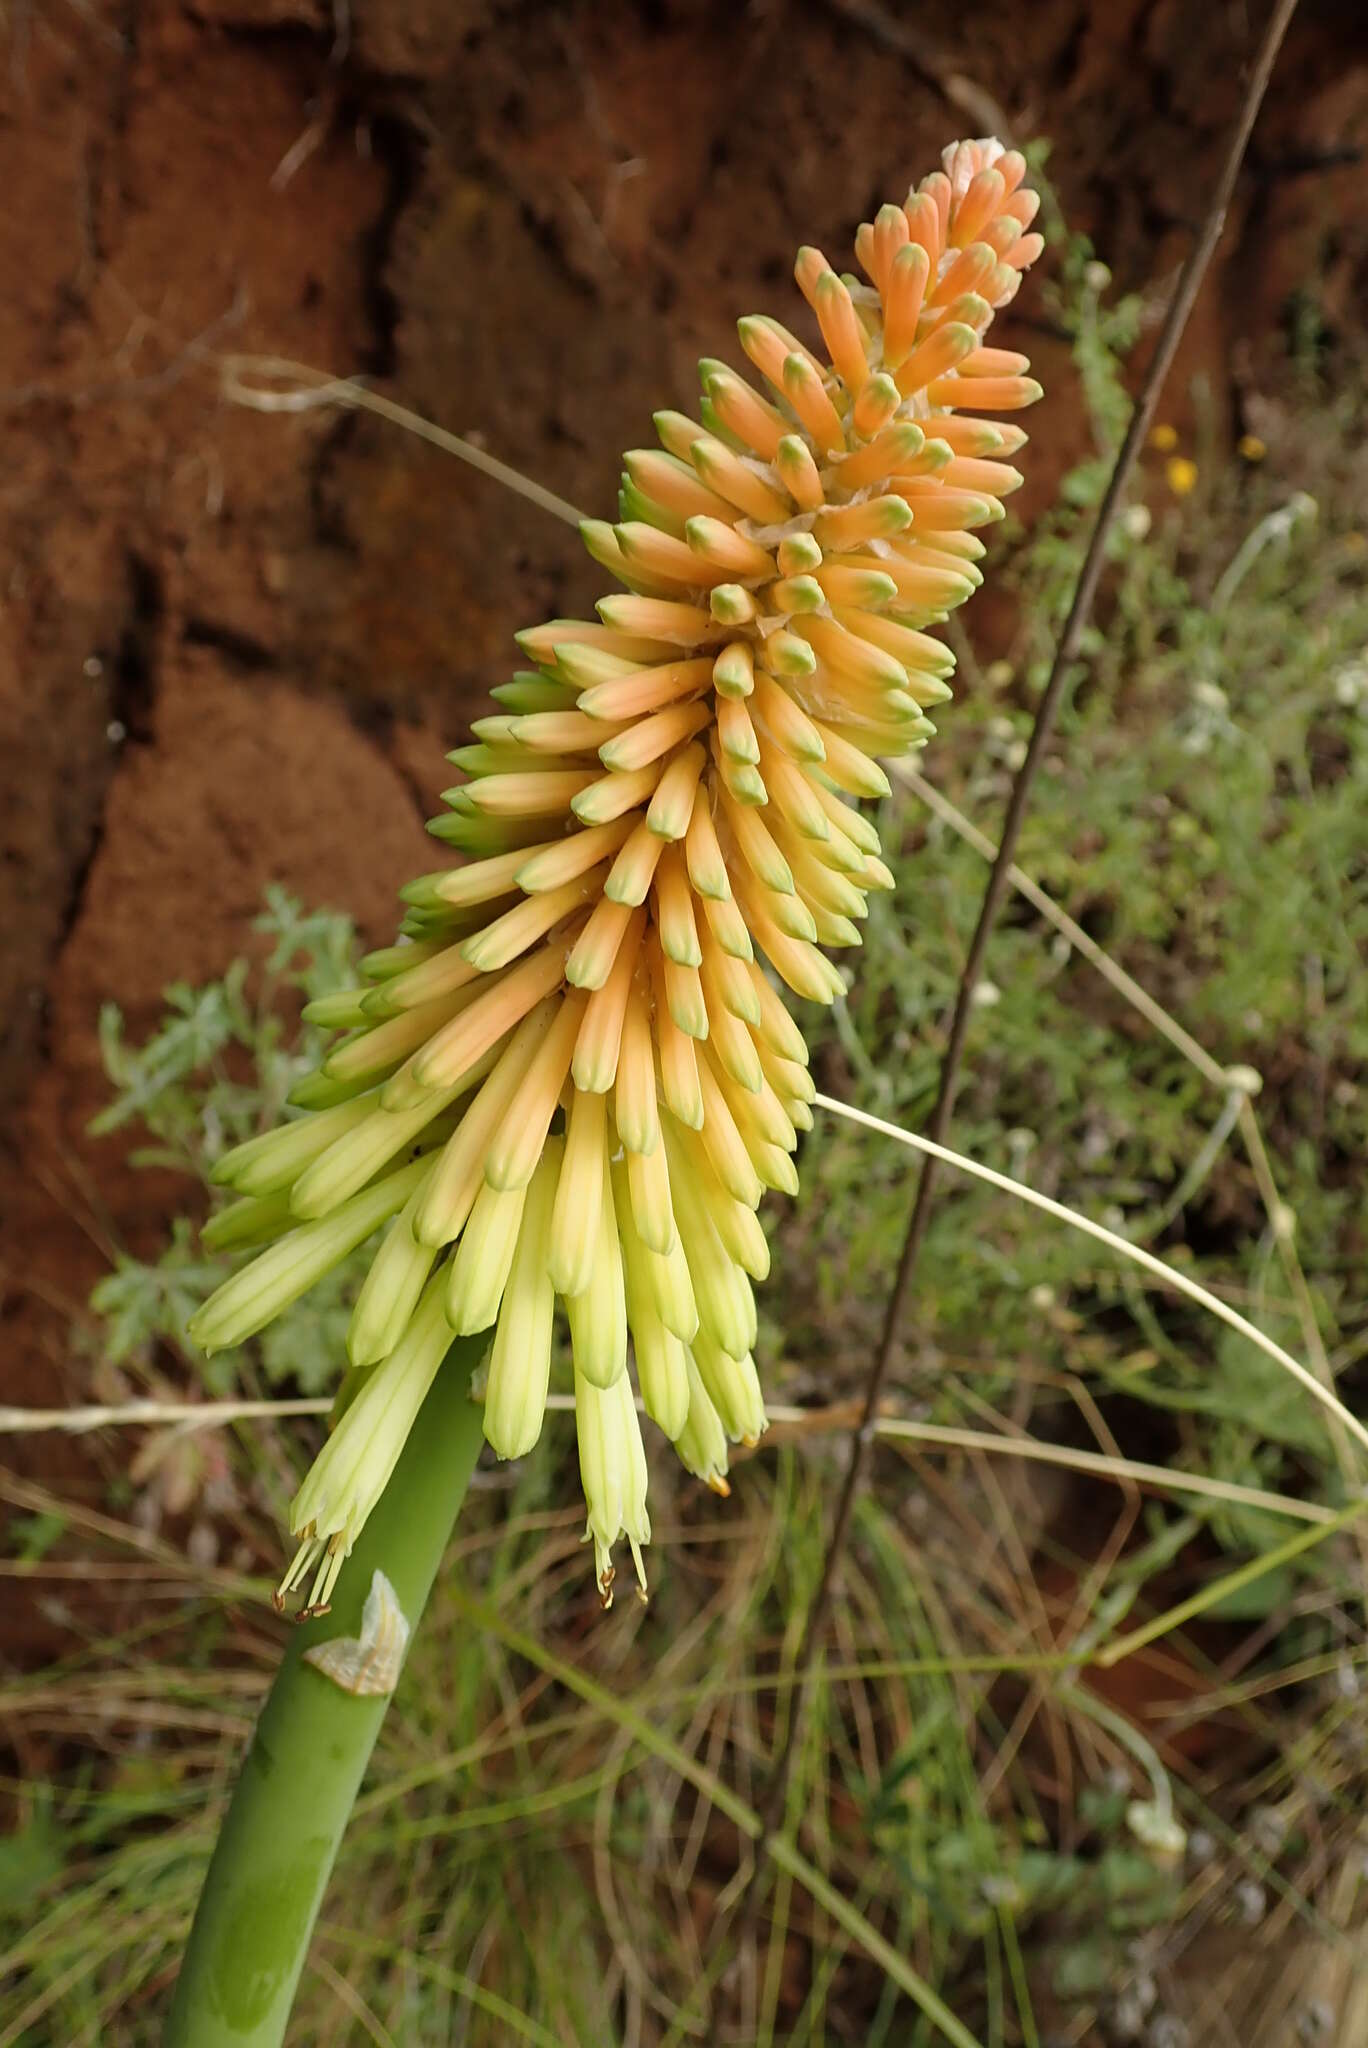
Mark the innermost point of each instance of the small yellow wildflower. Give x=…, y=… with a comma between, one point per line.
x=1163, y=438
x=1181, y=475
x=1251, y=448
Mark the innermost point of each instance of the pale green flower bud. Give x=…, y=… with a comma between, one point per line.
x=247, y=1302
x=353, y=1468
x=613, y=1474
x=254, y=1220
x=733, y=1387
x=389, y=1294
x=726, y=1306
x=358, y=1155
x=702, y=1443
x=579, y=1196
x=661, y=1371
x=277, y=1158
x=520, y=1362
x=484, y=1258
x=598, y=1316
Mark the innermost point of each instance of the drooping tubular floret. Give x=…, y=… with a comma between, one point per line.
x=574, y=1077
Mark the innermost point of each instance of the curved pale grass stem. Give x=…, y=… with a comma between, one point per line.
x=1239, y=1084
x=305, y=389
x=1134, y=1252
x=1125, y=1471
x=190, y=1416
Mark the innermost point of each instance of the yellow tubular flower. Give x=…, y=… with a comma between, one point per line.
x=573, y=1076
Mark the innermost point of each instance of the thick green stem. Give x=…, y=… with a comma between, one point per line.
x=301, y=1774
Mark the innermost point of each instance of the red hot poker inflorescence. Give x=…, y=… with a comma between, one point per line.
x=573, y=1076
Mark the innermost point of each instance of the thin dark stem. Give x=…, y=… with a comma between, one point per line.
x=1080, y=610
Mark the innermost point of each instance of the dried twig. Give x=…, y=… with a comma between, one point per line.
x=786, y=1425
x=274, y=384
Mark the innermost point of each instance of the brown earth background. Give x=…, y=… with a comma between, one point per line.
x=234, y=646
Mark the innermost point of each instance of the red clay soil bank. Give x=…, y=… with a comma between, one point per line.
x=232, y=647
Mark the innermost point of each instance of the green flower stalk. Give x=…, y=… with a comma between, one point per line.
x=311, y=1746
x=355, y=1465
x=573, y=1077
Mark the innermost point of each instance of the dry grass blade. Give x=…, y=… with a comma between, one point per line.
x=785, y=1422
x=1134, y=1252
x=284, y=386
x=188, y=1415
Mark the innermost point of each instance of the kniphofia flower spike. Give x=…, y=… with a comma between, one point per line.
x=573, y=1076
